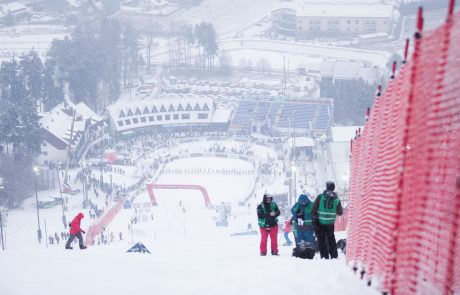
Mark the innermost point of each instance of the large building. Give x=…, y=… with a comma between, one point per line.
x=65, y=123
x=178, y=113
x=335, y=18
x=15, y=10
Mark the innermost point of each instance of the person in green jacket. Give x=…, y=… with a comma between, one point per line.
x=325, y=209
x=301, y=217
x=267, y=213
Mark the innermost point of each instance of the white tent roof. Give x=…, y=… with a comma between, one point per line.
x=302, y=141
x=221, y=116
x=344, y=134
x=346, y=10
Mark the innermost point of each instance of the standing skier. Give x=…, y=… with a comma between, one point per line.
x=267, y=213
x=75, y=231
x=325, y=209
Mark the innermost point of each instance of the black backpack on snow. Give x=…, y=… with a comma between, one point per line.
x=304, y=250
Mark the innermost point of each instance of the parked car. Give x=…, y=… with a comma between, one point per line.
x=69, y=190
x=46, y=203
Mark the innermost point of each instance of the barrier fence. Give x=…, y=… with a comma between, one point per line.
x=102, y=223
x=404, y=213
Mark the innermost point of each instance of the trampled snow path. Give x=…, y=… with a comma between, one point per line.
x=190, y=254
x=225, y=266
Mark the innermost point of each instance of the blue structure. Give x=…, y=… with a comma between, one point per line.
x=139, y=248
x=275, y=118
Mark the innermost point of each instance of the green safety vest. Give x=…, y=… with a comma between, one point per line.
x=306, y=213
x=327, y=210
x=261, y=221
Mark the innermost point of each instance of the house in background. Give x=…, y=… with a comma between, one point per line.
x=13, y=11
x=341, y=19
x=339, y=70
x=69, y=123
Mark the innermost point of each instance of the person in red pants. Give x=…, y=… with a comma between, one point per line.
x=267, y=213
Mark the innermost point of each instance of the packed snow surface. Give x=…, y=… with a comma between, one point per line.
x=189, y=253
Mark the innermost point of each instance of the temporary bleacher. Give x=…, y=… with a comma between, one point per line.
x=322, y=120
x=297, y=115
x=273, y=114
x=282, y=116
x=243, y=116
x=262, y=110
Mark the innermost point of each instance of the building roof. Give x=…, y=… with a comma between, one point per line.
x=58, y=122
x=346, y=10
x=87, y=113
x=122, y=108
x=347, y=70
x=12, y=7
x=344, y=134
x=53, y=140
x=344, y=69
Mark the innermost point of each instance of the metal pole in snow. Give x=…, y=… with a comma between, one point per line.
x=1, y=230
x=46, y=236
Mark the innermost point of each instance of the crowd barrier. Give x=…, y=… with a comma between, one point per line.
x=404, y=213
x=102, y=223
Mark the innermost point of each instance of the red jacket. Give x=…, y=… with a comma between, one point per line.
x=75, y=224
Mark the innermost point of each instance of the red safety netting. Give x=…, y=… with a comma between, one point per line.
x=404, y=215
x=100, y=225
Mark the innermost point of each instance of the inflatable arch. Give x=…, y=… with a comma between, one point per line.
x=151, y=187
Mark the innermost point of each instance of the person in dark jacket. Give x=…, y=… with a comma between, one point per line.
x=325, y=209
x=267, y=213
x=301, y=213
x=75, y=231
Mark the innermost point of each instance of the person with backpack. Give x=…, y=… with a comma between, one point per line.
x=325, y=209
x=267, y=213
x=302, y=220
x=75, y=231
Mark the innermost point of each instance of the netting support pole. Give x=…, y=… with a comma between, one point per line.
x=393, y=70
x=450, y=12
x=406, y=51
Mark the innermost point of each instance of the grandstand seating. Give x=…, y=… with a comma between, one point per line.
x=262, y=111
x=243, y=115
x=297, y=115
x=273, y=113
x=284, y=115
x=322, y=121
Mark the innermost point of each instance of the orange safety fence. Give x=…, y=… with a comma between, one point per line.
x=404, y=213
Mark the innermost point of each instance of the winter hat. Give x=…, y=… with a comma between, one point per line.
x=330, y=186
x=303, y=198
x=267, y=196
x=81, y=215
